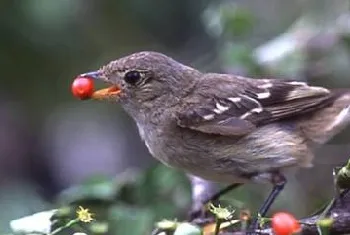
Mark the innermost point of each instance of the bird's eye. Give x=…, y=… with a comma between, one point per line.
x=132, y=77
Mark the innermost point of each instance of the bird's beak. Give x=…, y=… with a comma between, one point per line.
x=110, y=93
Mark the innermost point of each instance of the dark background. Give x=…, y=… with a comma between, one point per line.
x=51, y=142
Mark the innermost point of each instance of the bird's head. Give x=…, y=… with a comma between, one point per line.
x=144, y=79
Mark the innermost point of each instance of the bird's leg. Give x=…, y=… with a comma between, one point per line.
x=203, y=192
x=223, y=191
x=278, y=181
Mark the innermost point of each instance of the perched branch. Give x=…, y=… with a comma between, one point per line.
x=338, y=211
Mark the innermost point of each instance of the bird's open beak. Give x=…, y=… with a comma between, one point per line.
x=111, y=92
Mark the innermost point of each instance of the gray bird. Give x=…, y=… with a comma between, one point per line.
x=222, y=127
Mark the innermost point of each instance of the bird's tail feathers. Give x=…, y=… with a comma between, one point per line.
x=329, y=121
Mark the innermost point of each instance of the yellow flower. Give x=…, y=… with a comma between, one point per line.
x=220, y=212
x=84, y=215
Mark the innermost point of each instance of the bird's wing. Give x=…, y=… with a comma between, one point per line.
x=240, y=105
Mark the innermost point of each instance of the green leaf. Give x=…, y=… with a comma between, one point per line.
x=127, y=220
x=91, y=190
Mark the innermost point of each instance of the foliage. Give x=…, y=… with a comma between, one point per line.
x=133, y=202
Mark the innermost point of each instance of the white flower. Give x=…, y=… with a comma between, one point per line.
x=187, y=229
x=36, y=223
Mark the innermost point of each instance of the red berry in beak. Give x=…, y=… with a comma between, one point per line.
x=82, y=88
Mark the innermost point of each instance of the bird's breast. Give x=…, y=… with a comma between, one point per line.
x=146, y=139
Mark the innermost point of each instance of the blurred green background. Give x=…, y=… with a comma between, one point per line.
x=55, y=149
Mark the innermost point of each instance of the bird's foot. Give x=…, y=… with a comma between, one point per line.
x=278, y=181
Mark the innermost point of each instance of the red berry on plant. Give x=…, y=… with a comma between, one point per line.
x=285, y=224
x=82, y=88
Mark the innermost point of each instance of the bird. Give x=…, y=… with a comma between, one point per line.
x=223, y=127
